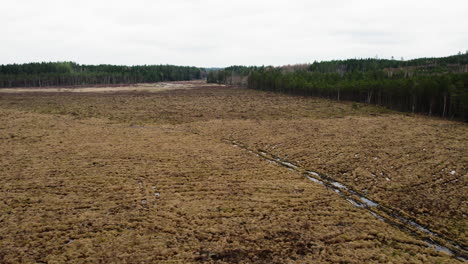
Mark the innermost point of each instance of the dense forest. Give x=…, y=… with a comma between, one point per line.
x=70, y=73
x=434, y=86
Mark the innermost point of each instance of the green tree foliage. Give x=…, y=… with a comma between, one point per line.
x=70, y=73
x=435, y=86
x=230, y=75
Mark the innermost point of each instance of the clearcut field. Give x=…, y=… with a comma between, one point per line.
x=148, y=175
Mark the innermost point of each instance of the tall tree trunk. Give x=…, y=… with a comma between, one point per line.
x=430, y=107
x=445, y=104
x=369, y=97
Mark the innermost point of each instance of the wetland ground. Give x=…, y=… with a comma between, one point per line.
x=147, y=175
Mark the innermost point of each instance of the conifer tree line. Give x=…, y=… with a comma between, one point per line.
x=432, y=86
x=70, y=73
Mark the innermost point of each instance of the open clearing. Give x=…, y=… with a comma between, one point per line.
x=141, y=177
x=141, y=87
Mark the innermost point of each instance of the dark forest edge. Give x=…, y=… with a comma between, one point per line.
x=71, y=74
x=432, y=86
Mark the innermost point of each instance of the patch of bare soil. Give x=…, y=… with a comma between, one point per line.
x=140, y=87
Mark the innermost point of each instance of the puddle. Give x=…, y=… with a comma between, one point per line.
x=314, y=180
x=377, y=216
x=440, y=248
x=288, y=164
x=357, y=204
x=313, y=173
x=416, y=225
x=256, y=154
x=339, y=185
x=369, y=202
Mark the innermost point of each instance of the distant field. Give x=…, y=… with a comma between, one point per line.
x=149, y=175
x=141, y=87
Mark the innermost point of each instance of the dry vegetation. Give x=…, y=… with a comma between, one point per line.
x=83, y=182
x=414, y=164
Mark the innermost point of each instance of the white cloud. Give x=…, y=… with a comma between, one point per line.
x=221, y=33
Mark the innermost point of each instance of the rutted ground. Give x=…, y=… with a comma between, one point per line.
x=82, y=183
x=382, y=212
x=414, y=164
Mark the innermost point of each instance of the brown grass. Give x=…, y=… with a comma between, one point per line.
x=81, y=183
x=414, y=164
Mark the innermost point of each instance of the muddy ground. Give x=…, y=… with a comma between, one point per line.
x=144, y=177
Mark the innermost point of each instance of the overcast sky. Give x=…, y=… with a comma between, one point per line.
x=210, y=33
